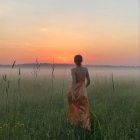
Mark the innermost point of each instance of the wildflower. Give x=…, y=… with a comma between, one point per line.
x=5, y=125
x=19, y=125
x=22, y=125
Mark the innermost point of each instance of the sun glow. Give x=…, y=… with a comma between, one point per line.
x=104, y=33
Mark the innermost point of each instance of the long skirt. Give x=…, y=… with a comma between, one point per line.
x=79, y=108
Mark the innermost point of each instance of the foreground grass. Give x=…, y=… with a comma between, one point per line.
x=36, y=110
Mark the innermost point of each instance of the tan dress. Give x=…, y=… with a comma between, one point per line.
x=79, y=107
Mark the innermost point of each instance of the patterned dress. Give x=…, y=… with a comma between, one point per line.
x=79, y=106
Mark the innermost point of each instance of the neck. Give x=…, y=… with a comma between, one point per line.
x=78, y=65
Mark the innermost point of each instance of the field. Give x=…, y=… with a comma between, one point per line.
x=33, y=105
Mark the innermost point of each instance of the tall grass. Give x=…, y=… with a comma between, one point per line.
x=37, y=109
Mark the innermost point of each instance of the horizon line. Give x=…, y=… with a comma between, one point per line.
x=47, y=63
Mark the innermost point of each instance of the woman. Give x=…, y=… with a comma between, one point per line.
x=77, y=96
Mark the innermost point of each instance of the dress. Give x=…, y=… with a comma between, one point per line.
x=79, y=107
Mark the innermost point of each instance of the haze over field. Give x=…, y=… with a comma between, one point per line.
x=33, y=104
x=104, y=32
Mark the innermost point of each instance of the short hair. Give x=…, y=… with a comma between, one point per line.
x=78, y=59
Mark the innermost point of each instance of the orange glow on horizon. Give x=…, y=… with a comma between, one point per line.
x=102, y=36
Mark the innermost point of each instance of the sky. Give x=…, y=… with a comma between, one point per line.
x=102, y=31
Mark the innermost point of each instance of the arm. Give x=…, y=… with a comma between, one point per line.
x=88, y=79
x=73, y=77
x=73, y=82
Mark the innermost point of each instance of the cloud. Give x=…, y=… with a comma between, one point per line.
x=44, y=29
x=50, y=29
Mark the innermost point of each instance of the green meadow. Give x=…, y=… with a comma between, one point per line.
x=33, y=105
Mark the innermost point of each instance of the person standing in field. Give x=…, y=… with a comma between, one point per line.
x=77, y=96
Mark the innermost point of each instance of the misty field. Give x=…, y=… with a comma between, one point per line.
x=33, y=105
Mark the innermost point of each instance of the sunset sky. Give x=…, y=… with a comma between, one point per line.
x=103, y=31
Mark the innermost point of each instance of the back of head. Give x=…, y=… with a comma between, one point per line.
x=78, y=59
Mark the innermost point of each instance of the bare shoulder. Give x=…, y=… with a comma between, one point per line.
x=85, y=68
